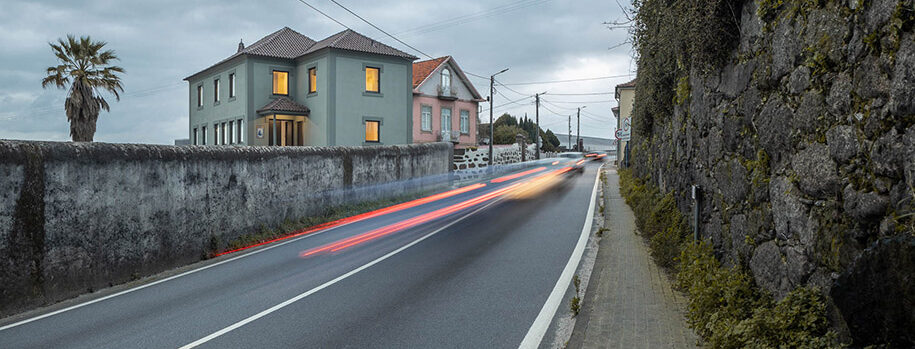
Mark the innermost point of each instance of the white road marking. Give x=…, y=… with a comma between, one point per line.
x=251, y=253
x=542, y=323
x=329, y=283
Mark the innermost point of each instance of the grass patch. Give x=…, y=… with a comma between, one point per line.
x=725, y=307
x=290, y=227
x=575, y=305
x=600, y=232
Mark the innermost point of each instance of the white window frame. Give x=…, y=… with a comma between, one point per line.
x=203, y=135
x=465, y=121
x=450, y=114
x=231, y=131
x=425, y=119
x=241, y=131
x=446, y=81
x=232, y=85
x=215, y=90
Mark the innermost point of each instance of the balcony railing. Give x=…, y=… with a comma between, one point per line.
x=450, y=94
x=449, y=136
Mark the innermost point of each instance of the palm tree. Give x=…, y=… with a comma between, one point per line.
x=86, y=68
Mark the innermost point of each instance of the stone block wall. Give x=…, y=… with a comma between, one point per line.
x=82, y=216
x=804, y=145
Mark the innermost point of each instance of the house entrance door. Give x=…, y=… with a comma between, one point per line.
x=288, y=133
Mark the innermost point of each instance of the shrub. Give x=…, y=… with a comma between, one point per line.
x=725, y=308
x=729, y=312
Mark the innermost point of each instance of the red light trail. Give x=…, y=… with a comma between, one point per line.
x=412, y=222
x=364, y=216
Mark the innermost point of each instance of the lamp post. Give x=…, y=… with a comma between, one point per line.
x=578, y=127
x=492, y=81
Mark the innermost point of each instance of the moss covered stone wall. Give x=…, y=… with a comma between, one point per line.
x=797, y=118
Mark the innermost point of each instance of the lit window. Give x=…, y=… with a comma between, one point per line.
x=200, y=95
x=313, y=80
x=372, y=129
x=371, y=80
x=465, y=121
x=280, y=82
x=232, y=85
x=216, y=90
x=446, y=81
x=426, y=118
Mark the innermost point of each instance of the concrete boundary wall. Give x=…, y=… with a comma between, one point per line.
x=82, y=216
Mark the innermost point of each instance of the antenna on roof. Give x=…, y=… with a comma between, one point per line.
x=241, y=45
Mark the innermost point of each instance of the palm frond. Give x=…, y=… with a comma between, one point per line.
x=87, y=69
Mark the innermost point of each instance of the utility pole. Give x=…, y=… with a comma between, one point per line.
x=492, y=81
x=570, y=133
x=578, y=127
x=537, y=124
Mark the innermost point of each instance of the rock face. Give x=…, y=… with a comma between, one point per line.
x=887, y=269
x=804, y=142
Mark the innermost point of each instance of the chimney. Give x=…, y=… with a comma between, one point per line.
x=241, y=45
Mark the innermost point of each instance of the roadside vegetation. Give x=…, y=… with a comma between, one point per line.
x=290, y=227
x=725, y=307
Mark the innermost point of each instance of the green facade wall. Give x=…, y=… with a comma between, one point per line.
x=338, y=107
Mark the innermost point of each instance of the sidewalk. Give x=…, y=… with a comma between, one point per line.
x=629, y=302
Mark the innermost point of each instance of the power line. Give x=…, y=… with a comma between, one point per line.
x=507, y=103
x=517, y=5
x=379, y=29
x=325, y=15
x=571, y=80
x=581, y=94
x=586, y=102
x=510, y=89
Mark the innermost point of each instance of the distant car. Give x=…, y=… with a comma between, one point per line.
x=596, y=155
x=576, y=160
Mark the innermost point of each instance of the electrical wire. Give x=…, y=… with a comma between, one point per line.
x=464, y=19
x=376, y=27
x=325, y=15
x=570, y=80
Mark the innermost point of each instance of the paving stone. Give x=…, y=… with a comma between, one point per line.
x=632, y=304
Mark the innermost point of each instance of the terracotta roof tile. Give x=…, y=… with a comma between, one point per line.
x=284, y=105
x=628, y=84
x=422, y=69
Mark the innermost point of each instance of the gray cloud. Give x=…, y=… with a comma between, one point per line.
x=161, y=42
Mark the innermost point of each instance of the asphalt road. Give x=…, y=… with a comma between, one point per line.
x=419, y=277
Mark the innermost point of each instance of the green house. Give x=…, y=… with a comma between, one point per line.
x=288, y=90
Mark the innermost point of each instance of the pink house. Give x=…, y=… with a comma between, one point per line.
x=445, y=104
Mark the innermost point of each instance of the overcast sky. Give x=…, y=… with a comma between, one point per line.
x=161, y=42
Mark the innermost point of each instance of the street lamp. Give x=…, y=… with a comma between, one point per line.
x=492, y=81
